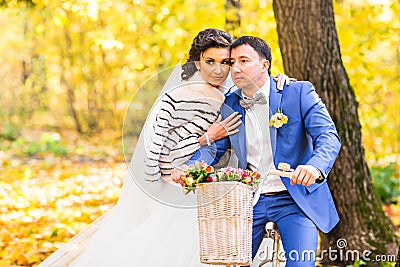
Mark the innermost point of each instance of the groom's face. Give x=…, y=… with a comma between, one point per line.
x=248, y=69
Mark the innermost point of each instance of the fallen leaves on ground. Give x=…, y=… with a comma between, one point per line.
x=46, y=201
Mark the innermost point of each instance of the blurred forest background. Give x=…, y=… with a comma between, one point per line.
x=68, y=72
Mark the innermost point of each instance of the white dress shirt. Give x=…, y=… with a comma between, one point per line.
x=258, y=142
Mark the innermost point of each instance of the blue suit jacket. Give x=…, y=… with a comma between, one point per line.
x=309, y=137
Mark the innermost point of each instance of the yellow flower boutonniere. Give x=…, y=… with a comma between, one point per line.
x=278, y=119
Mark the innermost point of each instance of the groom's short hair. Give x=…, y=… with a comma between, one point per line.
x=258, y=44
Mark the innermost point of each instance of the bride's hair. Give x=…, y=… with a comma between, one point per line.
x=205, y=39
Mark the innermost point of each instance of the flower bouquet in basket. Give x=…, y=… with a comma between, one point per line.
x=247, y=177
x=202, y=173
x=195, y=174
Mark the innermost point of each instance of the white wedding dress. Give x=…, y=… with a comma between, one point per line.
x=141, y=231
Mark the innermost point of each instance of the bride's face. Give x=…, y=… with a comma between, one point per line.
x=214, y=65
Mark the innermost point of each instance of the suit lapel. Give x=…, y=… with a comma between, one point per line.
x=275, y=98
x=239, y=139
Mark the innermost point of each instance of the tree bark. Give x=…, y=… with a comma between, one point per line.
x=232, y=17
x=310, y=51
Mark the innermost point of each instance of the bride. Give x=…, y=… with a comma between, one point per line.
x=153, y=222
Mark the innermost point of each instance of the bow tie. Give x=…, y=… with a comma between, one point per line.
x=247, y=103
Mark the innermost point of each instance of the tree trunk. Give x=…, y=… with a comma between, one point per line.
x=71, y=105
x=232, y=17
x=71, y=99
x=310, y=51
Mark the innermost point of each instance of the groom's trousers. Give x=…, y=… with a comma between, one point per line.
x=298, y=233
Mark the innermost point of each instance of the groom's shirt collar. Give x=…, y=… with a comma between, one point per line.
x=263, y=90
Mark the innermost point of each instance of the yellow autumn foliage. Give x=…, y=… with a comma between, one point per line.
x=91, y=57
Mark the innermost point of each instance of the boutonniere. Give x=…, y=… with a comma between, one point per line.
x=278, y=119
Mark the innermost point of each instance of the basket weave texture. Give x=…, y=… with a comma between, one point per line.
x=225, y=216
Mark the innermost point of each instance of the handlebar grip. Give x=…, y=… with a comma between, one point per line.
x=287, y=174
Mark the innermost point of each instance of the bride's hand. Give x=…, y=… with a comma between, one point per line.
x=282, y=79
x=222, y=128
x=176, y=174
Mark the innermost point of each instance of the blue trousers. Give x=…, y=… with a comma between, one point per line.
x=298, y=233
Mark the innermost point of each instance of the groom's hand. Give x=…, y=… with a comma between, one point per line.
x=305, y=175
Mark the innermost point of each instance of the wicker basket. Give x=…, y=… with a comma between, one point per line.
x=225, y=216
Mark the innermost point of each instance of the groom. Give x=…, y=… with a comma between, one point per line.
x=307, y=140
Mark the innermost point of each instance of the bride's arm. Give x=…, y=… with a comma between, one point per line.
x=159, y=134
x=189, y=143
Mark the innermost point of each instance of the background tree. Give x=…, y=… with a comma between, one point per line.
x=232, y=17
x=311, y=51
